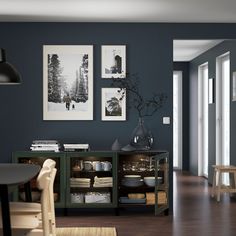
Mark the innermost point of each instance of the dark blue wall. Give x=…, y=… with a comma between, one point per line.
x=210, y=57
x=149, y=52
x=22, y=106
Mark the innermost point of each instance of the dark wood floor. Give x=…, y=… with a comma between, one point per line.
x=195, y=213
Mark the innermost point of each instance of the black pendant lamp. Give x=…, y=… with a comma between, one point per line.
x=8, y=74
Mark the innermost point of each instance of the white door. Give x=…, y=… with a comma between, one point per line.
x=223, y=112
x=203, y=120
x=177, y=120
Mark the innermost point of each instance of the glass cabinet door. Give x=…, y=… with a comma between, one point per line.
x=38, y=159
x=91, y=180
x=143, y=180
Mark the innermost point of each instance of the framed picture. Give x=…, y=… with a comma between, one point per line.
x=113, y=61
x=67, y=82
x=211, y=91
x=113, y=104
x=234, y=87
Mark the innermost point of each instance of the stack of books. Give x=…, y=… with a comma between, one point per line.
x=45, y=145
x=76, y=147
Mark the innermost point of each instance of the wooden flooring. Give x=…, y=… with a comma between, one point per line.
x=195, y=214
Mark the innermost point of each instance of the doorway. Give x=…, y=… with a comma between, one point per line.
x=198, y=154
x=177, y=120
x=223, y=112
x=203, y=120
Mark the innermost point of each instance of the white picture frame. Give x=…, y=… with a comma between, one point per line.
x=68, y=82
x=113, y=61
x=113, y=104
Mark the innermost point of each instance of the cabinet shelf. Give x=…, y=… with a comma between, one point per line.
x=135, y=205
x=91, y=171
x=91, y=189
x=92, y=205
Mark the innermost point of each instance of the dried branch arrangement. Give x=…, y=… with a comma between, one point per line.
x=144, y=107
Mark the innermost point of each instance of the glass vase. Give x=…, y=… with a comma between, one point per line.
x=142, y=138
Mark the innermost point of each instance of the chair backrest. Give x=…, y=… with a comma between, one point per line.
x=43, y=179
x=43, y=182
x=50, y=201
x=49, y=163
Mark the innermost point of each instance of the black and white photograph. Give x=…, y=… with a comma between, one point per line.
x=68, y=82
x=113, y=104
x=113, y=61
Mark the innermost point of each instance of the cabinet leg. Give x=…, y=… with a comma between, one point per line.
x=166, y=212
x=117, y=212
x=65, y=212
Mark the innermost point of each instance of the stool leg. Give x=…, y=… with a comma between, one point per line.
x=234, y=174
x=213, y=184
x=219, y=185
x=231, y=183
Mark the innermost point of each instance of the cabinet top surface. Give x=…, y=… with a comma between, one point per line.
x=100, y=151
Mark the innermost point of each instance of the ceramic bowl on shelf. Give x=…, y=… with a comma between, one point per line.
x=132, y=183
x=150, y=180
x=132, y=177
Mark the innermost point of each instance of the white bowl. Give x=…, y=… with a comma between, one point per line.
x=132, y=176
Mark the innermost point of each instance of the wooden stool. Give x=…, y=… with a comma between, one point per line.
x=219, y=188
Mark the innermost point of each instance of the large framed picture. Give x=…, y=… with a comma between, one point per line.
x=113, y=61
x=113, y=104
x=68, y=82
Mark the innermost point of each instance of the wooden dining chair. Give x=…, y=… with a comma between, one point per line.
x=51, y=206
x=45, y=209
x=24, y=220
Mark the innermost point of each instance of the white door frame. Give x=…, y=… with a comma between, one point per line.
x=202, y=119
x=220, y=95
x=177, y=120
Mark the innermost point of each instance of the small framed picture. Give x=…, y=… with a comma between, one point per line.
x=113, y=61
x=113, y=104
x=68, y=82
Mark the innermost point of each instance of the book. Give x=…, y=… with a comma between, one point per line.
x=45, y=142
x=76, y=145
x=54, y=149
x=45, y=145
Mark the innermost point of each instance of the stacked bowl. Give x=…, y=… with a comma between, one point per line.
x=132, y=181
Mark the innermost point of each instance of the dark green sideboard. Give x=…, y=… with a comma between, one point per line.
x=96, y=169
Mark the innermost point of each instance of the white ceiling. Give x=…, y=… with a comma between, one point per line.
x=187, y=50
x=118, y=10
